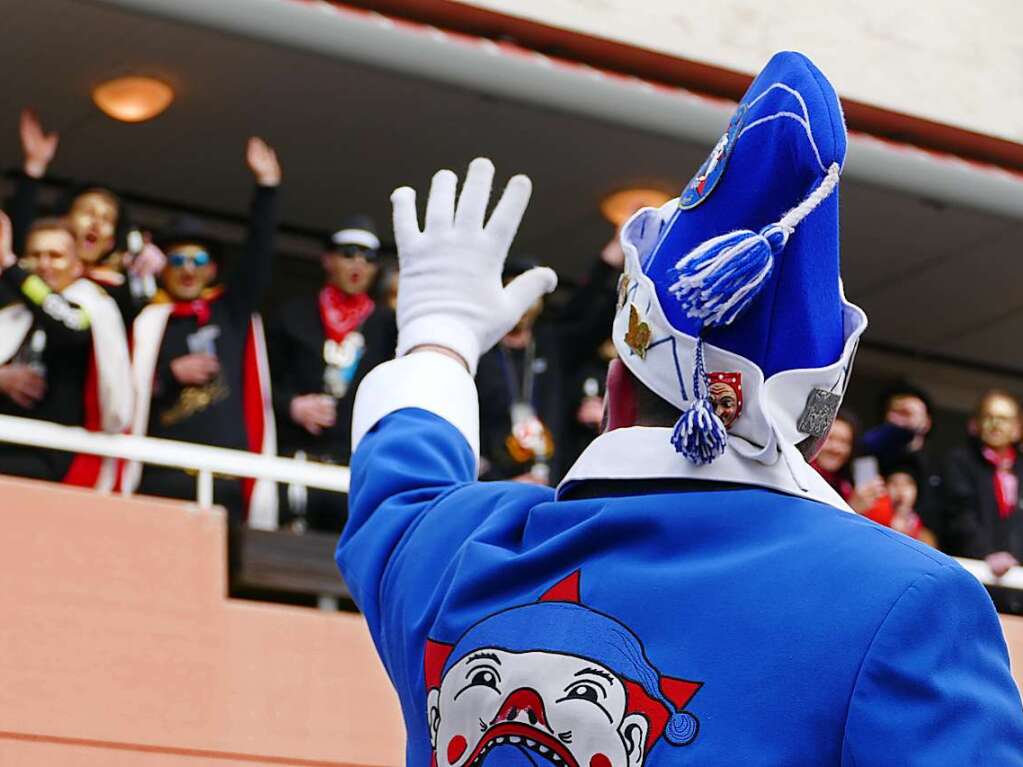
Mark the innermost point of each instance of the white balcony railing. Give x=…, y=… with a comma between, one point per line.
x=207, y=461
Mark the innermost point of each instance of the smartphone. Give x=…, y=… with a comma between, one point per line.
x=864, y=470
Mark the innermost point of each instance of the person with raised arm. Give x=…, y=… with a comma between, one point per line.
x=199, y=358
x=692, y=592
x=114, y=255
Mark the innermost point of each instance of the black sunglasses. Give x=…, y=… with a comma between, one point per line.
x=354, y=251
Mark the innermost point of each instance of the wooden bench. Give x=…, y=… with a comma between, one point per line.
x=282, y=566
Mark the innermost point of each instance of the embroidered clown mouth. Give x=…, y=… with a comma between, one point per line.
x=522, y=736
x=585, y=695
x=522, y=721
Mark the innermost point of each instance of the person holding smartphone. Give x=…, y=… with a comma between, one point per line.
x=859, y=484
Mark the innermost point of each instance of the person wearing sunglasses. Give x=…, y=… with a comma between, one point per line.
x=321, y=347
x=199, y=355
x=63, y=354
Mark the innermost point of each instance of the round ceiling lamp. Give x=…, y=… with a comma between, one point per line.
x=132, y=99
x=618, y=206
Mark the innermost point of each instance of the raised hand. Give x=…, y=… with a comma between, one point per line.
x=450, y=294
x=37, y=146
x=262, y=161
x=149, y=261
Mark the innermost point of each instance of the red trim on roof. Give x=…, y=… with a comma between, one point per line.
x=659, y=68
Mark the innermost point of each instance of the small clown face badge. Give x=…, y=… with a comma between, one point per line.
x=510, y=692
x=725, y=391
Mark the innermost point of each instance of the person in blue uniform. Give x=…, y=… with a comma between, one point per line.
x=692, y=592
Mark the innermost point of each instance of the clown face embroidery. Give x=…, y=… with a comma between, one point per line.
x=515, y=689
x=725, y=390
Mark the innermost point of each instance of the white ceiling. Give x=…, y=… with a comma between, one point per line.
x=937, y=279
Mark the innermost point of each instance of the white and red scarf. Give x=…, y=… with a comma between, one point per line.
x=147, y=338
x=341, y=313
x=108, y=395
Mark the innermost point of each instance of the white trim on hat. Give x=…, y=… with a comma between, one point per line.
x=766, y=432
x=356, y=237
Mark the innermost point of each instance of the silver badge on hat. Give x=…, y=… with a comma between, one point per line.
x=819, y=414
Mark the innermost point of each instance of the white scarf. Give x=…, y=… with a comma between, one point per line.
x=148, y=333
x=109, y=349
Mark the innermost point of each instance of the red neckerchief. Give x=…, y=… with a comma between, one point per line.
x=1006, y=482
x=198, y=308
x=342, y=313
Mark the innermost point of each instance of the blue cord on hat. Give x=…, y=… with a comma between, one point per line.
x=699, y=433
x=716, y=282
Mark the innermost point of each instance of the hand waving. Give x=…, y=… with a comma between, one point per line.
x=450, y=292
x=262, y=161
x=38, y=147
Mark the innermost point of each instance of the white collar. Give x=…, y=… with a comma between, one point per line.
x=643, y=452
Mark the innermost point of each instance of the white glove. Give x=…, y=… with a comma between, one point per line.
x=449, y=290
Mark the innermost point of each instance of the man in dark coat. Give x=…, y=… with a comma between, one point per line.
x=320, y=349
x=982, y=481
x=523, y=381
x=199, y=360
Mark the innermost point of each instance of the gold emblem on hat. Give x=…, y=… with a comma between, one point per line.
x=638, y=337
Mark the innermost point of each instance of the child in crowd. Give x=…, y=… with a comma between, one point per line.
x=902, y=490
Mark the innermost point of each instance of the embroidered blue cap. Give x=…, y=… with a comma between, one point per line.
x=573, y=629
x=742, y=270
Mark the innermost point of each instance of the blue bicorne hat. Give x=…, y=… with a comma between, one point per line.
x=739, y=277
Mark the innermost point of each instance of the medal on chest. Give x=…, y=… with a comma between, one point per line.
x=341, y=360
x=530, y=439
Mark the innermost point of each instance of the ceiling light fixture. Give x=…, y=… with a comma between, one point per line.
x=132, y=99
x=618, y=206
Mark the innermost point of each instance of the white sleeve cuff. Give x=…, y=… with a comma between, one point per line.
x=440, y=330
x=427, y=380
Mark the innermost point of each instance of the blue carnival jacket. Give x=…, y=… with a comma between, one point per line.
x=721, y=624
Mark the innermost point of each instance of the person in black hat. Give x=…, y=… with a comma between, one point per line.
x=321, y=347
x=525, y=381
x=199, y=360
